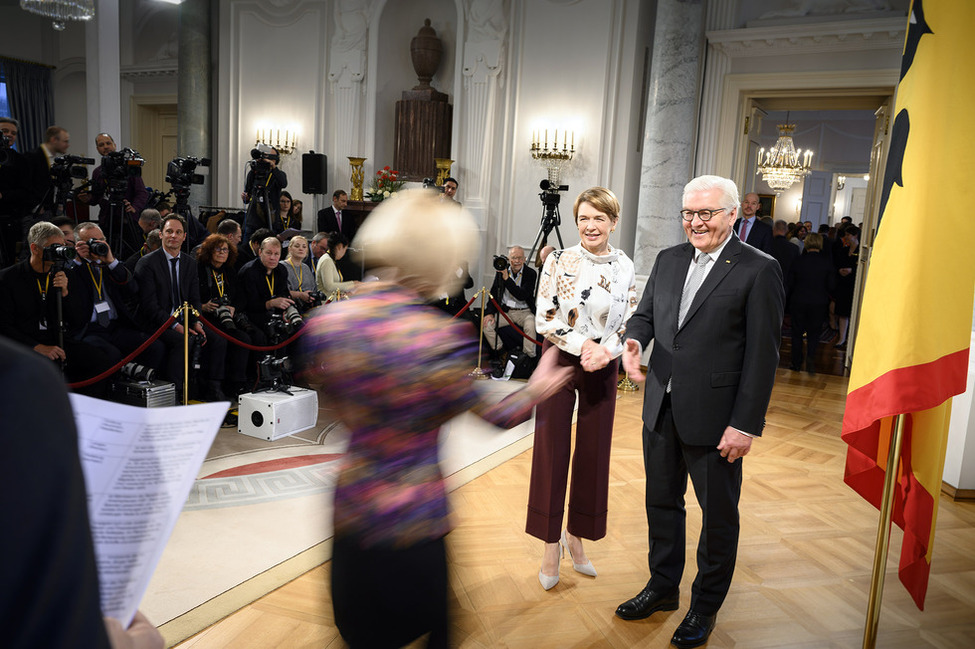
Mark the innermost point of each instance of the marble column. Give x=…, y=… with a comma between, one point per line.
x=670, y=136
x=194, y=89
x=102, y=75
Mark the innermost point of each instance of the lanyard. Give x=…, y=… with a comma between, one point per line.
x=300, y=272
x=96, y=282
x=218, y=279
x=270, y=282
x=43, y=290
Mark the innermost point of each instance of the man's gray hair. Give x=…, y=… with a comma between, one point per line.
x=42, y=231
x=728, y=189
x=154, y=238
x=319, y=236
x=81, y=227
x=152, y=216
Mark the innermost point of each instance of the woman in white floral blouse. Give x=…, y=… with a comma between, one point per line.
x=586, y=294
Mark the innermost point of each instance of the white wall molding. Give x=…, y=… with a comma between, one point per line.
x=811, y=38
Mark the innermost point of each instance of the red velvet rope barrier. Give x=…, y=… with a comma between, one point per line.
x=115, y=368
x=255, y=348
x=513, y=325
x=466, y=306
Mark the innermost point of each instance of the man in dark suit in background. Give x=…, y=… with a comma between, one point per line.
x=784, y=251
x=159, y=296
x=335, y=219
x=713, y=308
x=756, y=233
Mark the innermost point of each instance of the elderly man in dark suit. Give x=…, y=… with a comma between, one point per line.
x=713, y=308
x=168, y=277
x=750, y=228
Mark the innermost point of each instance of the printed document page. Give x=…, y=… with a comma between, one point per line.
x=139, y=466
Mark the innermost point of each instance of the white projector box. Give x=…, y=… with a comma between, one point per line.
x=272, y=415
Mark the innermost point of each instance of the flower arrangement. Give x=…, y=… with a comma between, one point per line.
x=385, y=184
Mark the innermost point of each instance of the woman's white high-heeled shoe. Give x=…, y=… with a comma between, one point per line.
x=546, y=581
x=585, y=568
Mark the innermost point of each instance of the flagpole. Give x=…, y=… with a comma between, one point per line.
x=883, y=537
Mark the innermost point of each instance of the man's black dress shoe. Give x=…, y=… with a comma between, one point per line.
x=694, y=630
x=647, y=602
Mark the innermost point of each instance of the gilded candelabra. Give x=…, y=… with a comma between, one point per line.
x=357, y=177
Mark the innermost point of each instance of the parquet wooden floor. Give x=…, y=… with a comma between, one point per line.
x=803, y=565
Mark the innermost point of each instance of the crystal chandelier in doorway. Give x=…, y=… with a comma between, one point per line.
x=780, y=166
x=60, y=10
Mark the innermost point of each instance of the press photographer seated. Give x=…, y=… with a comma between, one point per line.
x=106, y=288
x=223, y=307
x=514, y=290
x=31, y=291
x=265, y=286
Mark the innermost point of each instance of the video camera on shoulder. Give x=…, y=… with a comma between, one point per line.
x=263, y=152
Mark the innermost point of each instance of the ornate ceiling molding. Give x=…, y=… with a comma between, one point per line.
x=168, y=69
x=811, y=38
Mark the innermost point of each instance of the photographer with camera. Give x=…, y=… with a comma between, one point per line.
x=223, y=302
x=117, y=188
x=167, y=277
x=262, y=191
x=105, y=289
x=514, y=290
x=14, y=194
x=266, y=293
x=41, y=184
x=41, y=306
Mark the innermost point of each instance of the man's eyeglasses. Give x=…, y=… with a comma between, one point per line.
x=704, y=215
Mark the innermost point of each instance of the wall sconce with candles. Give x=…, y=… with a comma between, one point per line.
x=557, y=156
x=272, y=137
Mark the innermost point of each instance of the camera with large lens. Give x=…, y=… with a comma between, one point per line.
x=120, y=165
x=196, y=352
x=65, y=168
x=6, y=143
x=58, y=253
x=225, y=313
x=180, y=171
x=500, y=263
x=98, y=248
x=292, y=320
x=135, y=372
x=263, y=152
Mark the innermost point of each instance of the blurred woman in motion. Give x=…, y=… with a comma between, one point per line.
x=397, y=370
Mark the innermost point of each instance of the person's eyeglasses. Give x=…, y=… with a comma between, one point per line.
x=222, y=250
x=704, y=215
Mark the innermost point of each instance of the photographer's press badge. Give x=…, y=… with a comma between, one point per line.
x=102, y=310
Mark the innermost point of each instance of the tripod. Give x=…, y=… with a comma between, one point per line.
x=551, y=219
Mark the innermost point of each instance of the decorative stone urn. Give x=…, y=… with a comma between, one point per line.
x=426, y=51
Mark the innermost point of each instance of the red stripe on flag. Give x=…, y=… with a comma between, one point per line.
x=906, y=389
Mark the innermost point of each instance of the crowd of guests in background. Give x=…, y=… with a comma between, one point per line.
x=819, y=267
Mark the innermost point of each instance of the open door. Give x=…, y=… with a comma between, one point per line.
x=871, y=215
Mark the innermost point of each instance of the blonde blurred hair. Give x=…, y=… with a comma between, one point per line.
x=397, y=240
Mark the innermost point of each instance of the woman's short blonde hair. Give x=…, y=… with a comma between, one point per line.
x=602, y=199
x=419, y=240
x=295, y=238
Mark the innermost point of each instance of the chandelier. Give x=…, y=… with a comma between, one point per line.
x=780, y=166
x=60, y=10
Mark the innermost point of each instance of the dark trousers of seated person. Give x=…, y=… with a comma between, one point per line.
x=386, y=597
x=118, y=341
x=83, y=361
x=236, y=357
x=808, y=319
x=213, y=355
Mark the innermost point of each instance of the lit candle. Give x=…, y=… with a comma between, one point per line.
x=546, y=138
x=257, y=136
x=573, y=140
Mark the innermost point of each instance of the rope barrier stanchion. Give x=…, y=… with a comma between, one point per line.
x=468, y=305
x=477, y=373
x=511, y=322
x=115, y=368
x=257, y=348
